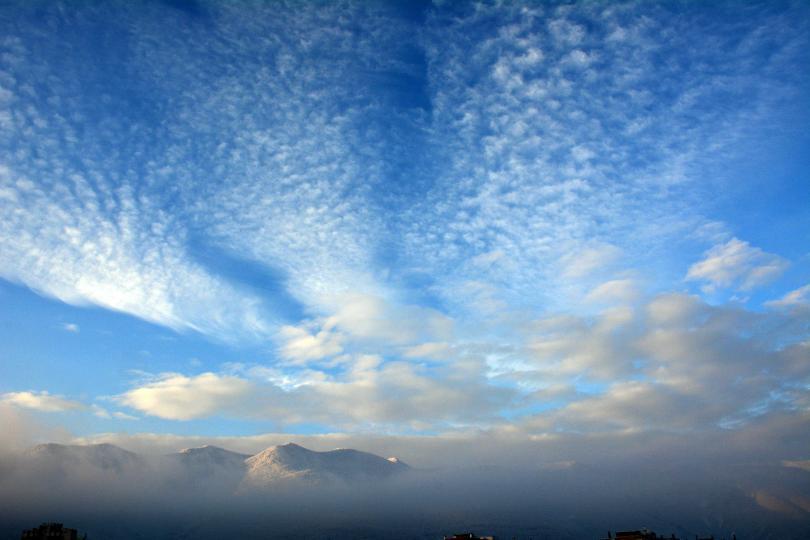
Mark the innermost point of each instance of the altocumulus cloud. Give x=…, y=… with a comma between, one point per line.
x=575, y=128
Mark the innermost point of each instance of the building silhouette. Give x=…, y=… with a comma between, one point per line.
x=468, y=536
x=51, y=531
x=642, y=534
x=646, y=534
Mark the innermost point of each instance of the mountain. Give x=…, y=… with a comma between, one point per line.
x=207, y=458
x=213, y=468
x=293, y=462
x=208, y=467
x=63, y=457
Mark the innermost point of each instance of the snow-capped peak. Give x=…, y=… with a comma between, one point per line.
x=291, y=461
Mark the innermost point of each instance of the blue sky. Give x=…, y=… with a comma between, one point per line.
x=404, y=219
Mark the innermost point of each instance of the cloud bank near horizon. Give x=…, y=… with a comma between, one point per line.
x=704, y=485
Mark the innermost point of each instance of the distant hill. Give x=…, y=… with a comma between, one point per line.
x=205, y=460
x=62, y=457
x=293, y=462
x=217, y=466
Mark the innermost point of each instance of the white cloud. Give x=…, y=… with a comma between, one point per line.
x=106, y=247
x=582, y=153
x=433, y=351
x=42, y=401
x=488, y=259
x=636, y=406
x=678, y=364
x=71, y=327
x=101, y=412
x=671, y=363
x=401, y=393
x=521, y=183
x=542, y=164
x=291, y=192
x=589, y=260
x=532, y=57
x=374, y=318
x=737, y=264
x=366, y=392
x=178, y=397
x=796, y=297
x=622, y=291
x=578, y=58
x=301, y=346
x=566, y=32
x=566, y=347
x=358, y=322
x=508, y=173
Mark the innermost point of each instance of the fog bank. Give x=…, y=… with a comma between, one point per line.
x=751, y=482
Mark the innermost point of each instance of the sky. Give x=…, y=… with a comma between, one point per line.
x=511, y=220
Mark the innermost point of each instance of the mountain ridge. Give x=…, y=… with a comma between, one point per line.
x=280, y=463
x=291, y=461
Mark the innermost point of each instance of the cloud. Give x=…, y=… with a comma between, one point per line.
x=348, y=165
x=488, y=259
x=71, y=327
x=178, y=397
x=623, y=291
x=589, y=260
x=671, y=309
x=693, y=365
x=293, y=199
x=635, y=406
x=368, y=318
x=85, y=250
x=545, y=165
x=42, y=401
x=566, y=32
x=414, y=396
x=364, y=392
x=22, y=428
x=579, y=59
x=794, y=298
x=627, y=477
x=567, y=347
x=737, y=264
x=432, y=350
x=696, y=367
x=101, y=412
x=415, y=222
x=361, y=321
x=301, y=346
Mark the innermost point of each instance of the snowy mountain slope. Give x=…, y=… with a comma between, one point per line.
x=206, y=458
x=291, y=461
x=107, y=457
x=218, y=466
x=206, y=467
